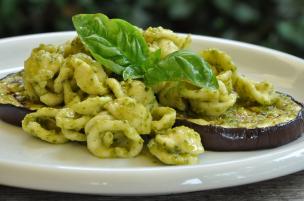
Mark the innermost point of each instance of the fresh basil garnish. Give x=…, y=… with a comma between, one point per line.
x=121, y=48
x=115, y=43
x=182, y=65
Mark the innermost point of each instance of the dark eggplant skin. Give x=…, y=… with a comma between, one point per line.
x=217, y=138
x=12, y=114
x=15, y=112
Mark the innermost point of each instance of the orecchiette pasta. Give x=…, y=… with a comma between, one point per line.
x=70, y=96
x=53, y=79
x=163, y=118
x=113, y=138
x=211, y=102
x=134, y=89
x=135, y=113
x=203, y=94
x=89, y=75
x=74, y=135
x=169, y=95
x=64, y=75
x=42, y=124
x=218, y=60
x=73, y=47
x=215, y=107
x=179, y=145
x=111, y=114
x=227, y=77
x=39, y=69
x=91, y=106
x=51, y=99
x=140, y=92
x=261, y=92
x=115, y=87
x=104, y=115
x=165, y=40
x=69, y=119
x=72, y=124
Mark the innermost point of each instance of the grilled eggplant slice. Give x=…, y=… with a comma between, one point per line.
x=250, y=127
x=13, y=102
x=12, y=114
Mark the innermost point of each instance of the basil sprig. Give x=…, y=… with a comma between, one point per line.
x=122, y=49
x=182, y=65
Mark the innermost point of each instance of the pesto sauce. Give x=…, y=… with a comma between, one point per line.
x=244, y=115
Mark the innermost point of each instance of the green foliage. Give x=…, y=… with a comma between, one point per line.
x=277, y=24
x=182, y=65
x=115, y=43
x=121, y=48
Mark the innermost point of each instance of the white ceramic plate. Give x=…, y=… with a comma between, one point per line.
x=28, y=162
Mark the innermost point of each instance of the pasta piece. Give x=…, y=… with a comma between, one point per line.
x=40, y=68
x=190, y=91
x=129, y=109
x=91, y=106
x=141, y=93
x=112, y=138
x=42, y=124
x=51, y=99
x=156, y=33
x=89, y=75
x=215, y=107
x=165, y=39
x=80, y=74
x=104, y=115
x=116, y=88
x=219, y=60
x=69, y=119
x=71, y=97
x=166, y=46
x=52, y=79
x=163, y=118
x=261, y=92
x=65, y=74
x=72, y=124
x=170, y=96
x=73, y=135
x=73, y=47
x=159, y=87
x=177, y=146
x=228, y=78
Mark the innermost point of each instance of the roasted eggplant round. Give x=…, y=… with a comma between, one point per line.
x=219, y=138
x=12, y=114
x=13, y=104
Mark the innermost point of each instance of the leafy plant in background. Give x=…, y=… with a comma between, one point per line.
x=277, y=24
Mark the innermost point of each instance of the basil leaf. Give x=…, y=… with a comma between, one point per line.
x=154, y=58
x=182, y=65
x=132, y=73
x=121, y=48
x=115, y=43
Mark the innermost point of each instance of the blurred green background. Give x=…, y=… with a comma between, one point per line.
x=278, y=24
